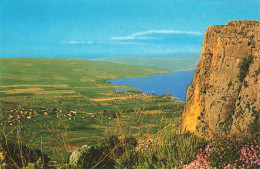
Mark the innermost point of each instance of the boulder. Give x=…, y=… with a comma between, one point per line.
x=77, y=155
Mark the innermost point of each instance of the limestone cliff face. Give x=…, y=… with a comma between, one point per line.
x=224, y=94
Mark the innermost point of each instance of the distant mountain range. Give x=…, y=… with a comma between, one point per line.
x=173, y=62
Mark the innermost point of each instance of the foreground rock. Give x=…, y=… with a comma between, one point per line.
x=77, y=155
x=224, y=94
x=103, y=156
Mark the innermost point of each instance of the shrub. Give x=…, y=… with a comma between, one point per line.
x=223, y=152
x=244, y=67
x=166, y=150
x=227, y=155
x=250, y=155
x=18, y=156
x=105, y=155
x=201, y=160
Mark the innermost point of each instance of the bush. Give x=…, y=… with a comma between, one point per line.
x=18, y=156
x=105, y=155
x=227, y=154
x=244, y=67
x=223, y=153
x=167, y=150
x=250, y=155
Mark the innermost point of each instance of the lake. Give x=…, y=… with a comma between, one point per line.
x=175, y=82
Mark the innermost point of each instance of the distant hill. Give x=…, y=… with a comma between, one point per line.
x=59, y=71
x=173, y=62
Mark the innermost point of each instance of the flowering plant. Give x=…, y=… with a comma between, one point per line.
x=249, y=157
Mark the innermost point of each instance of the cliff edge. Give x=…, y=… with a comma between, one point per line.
x=224, y=94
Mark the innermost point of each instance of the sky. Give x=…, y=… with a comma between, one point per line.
x=101, y=28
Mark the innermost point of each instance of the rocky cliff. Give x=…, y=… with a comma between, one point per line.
x=224, y=94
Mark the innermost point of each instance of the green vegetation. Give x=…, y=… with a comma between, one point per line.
x=48, y=103
x=229, y=152
x=73, y=72
x=244, y=68
x=167, y=149
x=51, y=107
x=175, y=62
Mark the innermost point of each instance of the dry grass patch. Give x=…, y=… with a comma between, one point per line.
x=91, y=113
x=121, y=98
x=38, y=91
x=38, y=85
x=55, y=92
x=61, y=78
x=105, y=104
x=96, y=87
x=135, y=127
x=16, y=91
x=57, y=97
x=148, y=135
x=87, y=80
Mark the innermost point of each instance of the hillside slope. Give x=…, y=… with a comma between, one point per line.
x=58, y=71
x=224, y=94
x=172, y=62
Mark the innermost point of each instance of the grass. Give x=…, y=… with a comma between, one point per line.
x=74, y=72
x=37, y=96
x=166, y=149
x=93, y=122
x=45, y=105
x=24, y=80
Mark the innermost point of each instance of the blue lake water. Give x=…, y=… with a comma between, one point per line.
x=176, y=83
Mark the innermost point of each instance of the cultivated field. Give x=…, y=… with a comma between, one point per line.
x=70, y=100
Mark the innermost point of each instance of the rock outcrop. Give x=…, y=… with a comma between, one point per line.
x=77, y=155
x=224, y=94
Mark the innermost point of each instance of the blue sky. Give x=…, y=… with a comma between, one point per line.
x=98, y=28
